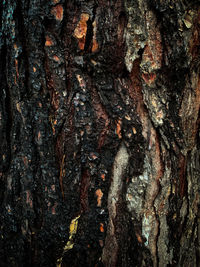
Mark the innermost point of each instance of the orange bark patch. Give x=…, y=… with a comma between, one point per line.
x=81, y=30
x=57, y=11
x=99, y=195
x=103, y=176
x=16, y=67
x=39, y=135
x=101, y=227
x=134, y=130
x=139, y=238
x=95, y=45
x=56, y=58
x=118, y=129
x=48, y=42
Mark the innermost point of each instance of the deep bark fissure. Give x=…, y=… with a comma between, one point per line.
x=99, y=121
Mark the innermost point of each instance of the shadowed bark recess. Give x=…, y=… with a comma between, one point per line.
x=99, y=131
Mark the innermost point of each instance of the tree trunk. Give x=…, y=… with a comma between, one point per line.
x=99, y=130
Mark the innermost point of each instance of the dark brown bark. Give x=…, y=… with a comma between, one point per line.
x=99, y=130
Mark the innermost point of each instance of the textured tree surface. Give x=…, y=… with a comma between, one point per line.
x=99, y=133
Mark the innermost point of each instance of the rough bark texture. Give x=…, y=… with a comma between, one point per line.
x=99, y=133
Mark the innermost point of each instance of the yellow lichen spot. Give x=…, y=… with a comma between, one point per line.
x=154, y=103
x=72, y=232
x=73, y=227
x=174, y=216
x=188, y=19
x=118, y=130
x=18, y=108
x=81, y=30
x=93, y=62
x=57, y=11
x=99, y=195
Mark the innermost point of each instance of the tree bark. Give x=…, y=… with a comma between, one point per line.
x=99, y=130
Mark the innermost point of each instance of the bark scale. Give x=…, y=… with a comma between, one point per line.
x=99, y=130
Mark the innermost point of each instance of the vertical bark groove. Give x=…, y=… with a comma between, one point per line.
x=99, y=130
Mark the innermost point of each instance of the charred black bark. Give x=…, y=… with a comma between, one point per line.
x=99, y=130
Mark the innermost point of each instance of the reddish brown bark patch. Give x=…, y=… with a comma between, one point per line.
x=85, y=183
x=95, y=44
x=103, y=119
x=182, y=176
x=195, y=39
x=57, y=11
x=149, y=78
x=135, y=92
x=81, y=30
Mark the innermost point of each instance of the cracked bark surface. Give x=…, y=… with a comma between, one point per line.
x=99, y=130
